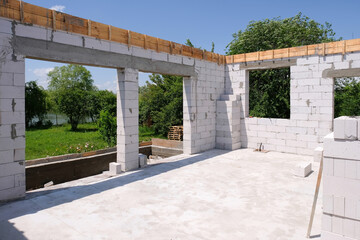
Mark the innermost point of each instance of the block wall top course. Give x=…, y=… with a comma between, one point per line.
x=31, y=14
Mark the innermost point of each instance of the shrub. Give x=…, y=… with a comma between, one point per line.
x=107, y=127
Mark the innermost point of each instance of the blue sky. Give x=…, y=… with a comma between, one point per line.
x=201, y=21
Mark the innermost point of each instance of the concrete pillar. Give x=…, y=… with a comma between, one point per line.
x=128, y=119
x=12, y=120
x=190, y=115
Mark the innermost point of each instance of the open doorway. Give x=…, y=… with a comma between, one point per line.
x=70, y=115
x=161, y=113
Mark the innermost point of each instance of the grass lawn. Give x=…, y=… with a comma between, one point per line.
x=59, y=140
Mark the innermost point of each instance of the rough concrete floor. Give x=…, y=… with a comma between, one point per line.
x=213, y=195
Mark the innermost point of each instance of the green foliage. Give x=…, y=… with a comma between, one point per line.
x=189, y=43
x=161, y=101
x=147, y=133
x=60, y=140
x=265, y=100
x=347, y=97
x=212, y=46
x=72, y=90
x=107, y=126
x=101, y=100
x=35, y=103
x=280, y=33
x=269, y=90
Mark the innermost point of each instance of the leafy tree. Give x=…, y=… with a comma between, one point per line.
x=35, y=102
x=269, y=90
x=161, y=102
x=101, y=100
x=72, y=88
x=347, y=97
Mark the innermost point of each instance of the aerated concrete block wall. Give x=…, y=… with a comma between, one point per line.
x=203, y=85
x=341, y=181
x=12, y=118
x=311, y=100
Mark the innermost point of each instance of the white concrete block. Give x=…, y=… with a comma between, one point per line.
x=142, y=160
x=328, y=166
x=7, y=182
x=140, y=52
x=114, y=168
x=67, y=38
x=328, y=204
x=188, y=61
x=97, y=44
x=318, y=154
x=19, y=79
x=350, y=169
x=339, y=168
x=346, y=128
x=13, y=168
x=302, y=169
x=12, y=92
x=12, y=193
x=12, y=67
x=326, y=223
x=159, y=56
x=175, y=59
x=20, y=180
x=6, y=79
x=349, y=228
x=357, y=230
x=336, y=149
x=341, y=65
x=350, y=208
x=23, y=30
x=337, y=225
x=339, y=205
x=120, y=48
x=19, y=154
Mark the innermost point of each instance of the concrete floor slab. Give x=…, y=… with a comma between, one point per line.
x=213, y=195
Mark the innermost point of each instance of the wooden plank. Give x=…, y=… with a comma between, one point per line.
x=32, y=14
x=99, y=30
x=54, y=20
x=110, y=32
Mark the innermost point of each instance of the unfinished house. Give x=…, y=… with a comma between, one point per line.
x=216, y=99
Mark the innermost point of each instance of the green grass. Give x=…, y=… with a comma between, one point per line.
x=147, y=133
x=59, y=140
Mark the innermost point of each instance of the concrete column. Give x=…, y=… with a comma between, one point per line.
x=12, y=120
x=190, y=115
x=128, y=119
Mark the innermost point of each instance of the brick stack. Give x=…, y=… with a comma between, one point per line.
x=341, y=193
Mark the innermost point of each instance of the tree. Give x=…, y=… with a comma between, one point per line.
x=101, y=100
x=35, y=102
x=269, y=90
x=347, y=97
x=161, y=101
x=72, y=88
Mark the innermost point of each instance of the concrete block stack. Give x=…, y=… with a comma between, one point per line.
x=341, y=181
x=200, y=95
x=12, y=118
x=127, y=119
x=228, y=122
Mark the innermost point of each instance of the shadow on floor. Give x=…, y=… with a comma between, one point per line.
x=37, y=201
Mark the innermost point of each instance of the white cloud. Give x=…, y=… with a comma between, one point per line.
x=59, y=8
x=41, y=74
x=108, y=85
